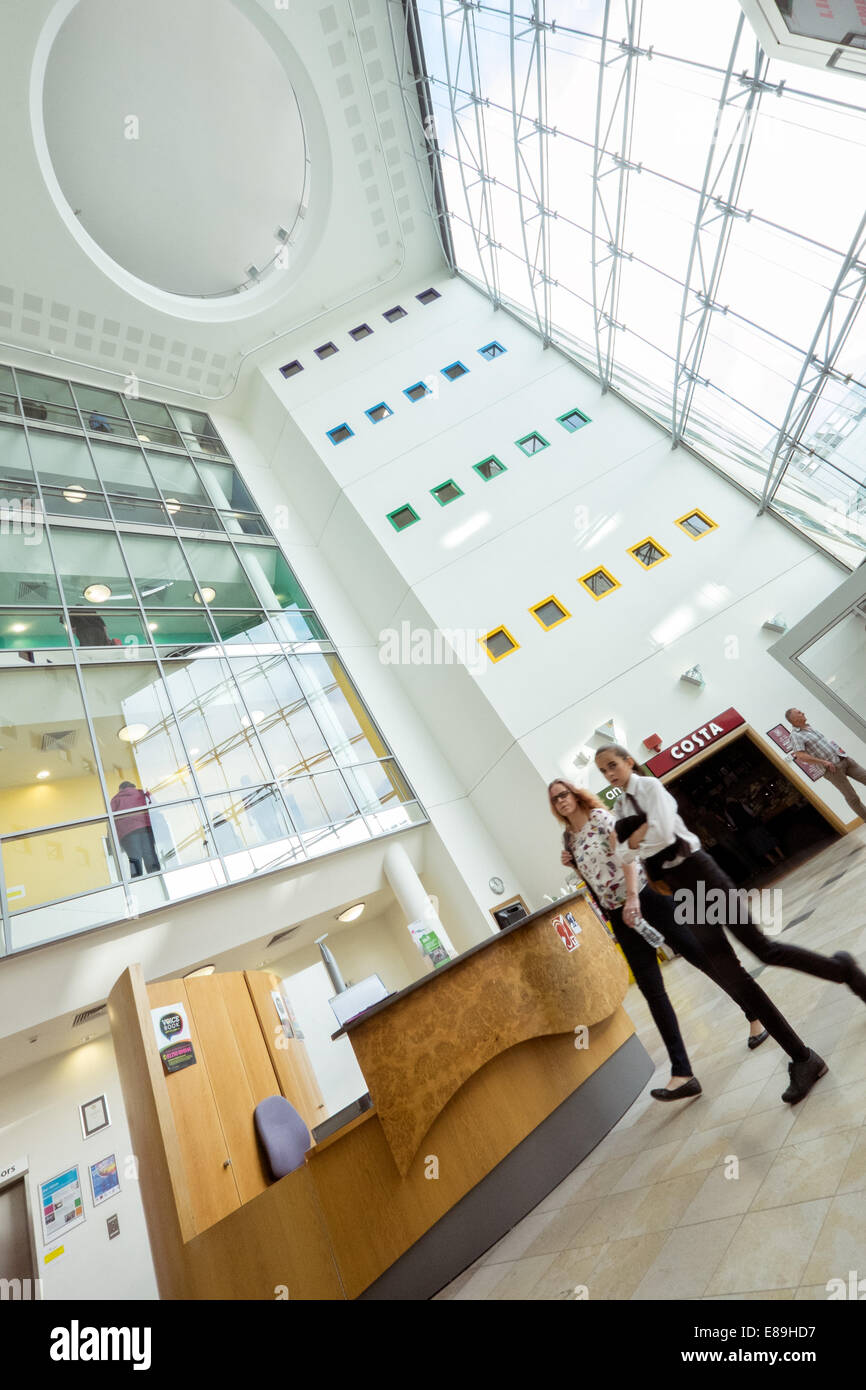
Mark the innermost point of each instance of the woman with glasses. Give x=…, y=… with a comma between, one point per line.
x=625, y=895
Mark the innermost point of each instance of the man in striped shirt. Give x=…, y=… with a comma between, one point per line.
x=808, y=746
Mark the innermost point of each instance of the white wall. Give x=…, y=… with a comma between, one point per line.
x=39, y=1118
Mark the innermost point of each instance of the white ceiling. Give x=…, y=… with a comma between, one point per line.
x=175, y=137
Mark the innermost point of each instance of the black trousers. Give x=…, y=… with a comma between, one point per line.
x=648, y=977
x=700, y=868
x=139, y=848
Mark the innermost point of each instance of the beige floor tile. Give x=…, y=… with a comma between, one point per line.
x=568, y=1275
x=802, y=1172
x=768, y=1060
x=687, y=1260
x=622, y=1264
x=561, y=1230
x=758, y=1295
x=482, y=1283
x=814, y=1293
x=515, y=1243
x=662, y=1206
x=521, y=1279
x=854, y=1176
x=585, y=1183
x=770, y=1249
x=457, y=1284
x=610, y=1216
x=721, y=1195
x=841, y=1108
x=841, y=1245
x=703, y=1150
x=732, y=1105
x=848, y=1065
x=765, y=1131
x=647, y=1168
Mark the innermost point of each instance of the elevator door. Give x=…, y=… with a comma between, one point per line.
x=16, y=1253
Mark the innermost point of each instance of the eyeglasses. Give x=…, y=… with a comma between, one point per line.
x=562, y=796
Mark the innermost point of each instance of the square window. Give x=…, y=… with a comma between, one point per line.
x=573, y=420
x=696, y=524
x=403, y=517
x=550, y=612
x=499, y=643
x=455, y=371
x=427, y=296
x=447, y=492
x=648, y=553
x=378, y=412
x=417, y=392
x=326, y=350
x=489, y=468
x=532, y=443
x=492, y=350
x=340, y=434
x=392, y=315
x=362, y=331
x=599, y=582
x=291, y=369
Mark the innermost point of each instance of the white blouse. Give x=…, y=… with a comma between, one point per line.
x=596, y=861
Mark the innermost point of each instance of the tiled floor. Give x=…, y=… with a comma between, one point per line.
x=733, y=1194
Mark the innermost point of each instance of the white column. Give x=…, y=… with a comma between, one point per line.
x=422, y=916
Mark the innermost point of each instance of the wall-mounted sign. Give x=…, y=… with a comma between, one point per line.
x=62, y=1205
x=781, y=735
x=113, y=1226
x=173, y=1039
x=567, y=930
x=94, y=1116
x=8, y=1171
x=104, y=1179
x=695, y=742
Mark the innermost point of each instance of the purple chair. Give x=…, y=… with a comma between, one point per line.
x=283, y=1135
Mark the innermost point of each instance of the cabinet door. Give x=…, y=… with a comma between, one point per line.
x=211, y=1182
x=240, y=1071
x=289, y=1055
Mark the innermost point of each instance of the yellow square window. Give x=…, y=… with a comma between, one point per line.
x=500, y=643
x=648, y=553
x=549, y=612
x=599, y=582
x=696, y=524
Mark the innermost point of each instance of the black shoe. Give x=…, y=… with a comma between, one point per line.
x=758, y=1039
x=803, y=1077
x=855, y=979
x=688, y=1088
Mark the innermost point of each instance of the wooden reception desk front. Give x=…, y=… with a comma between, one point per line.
x=491, y=1080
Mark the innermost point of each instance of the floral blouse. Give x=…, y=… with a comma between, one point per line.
x=596, y=862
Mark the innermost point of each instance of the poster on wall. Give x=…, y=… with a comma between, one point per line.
x=62, y=1205
x=104, y=1179
x=567, y=930
x=94, y=1116
x=171, y=1028
x=781, y=735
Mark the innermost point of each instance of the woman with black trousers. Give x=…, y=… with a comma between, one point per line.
x=693, y=874
x=625, y=895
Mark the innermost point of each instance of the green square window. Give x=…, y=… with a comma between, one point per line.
x=403, y=517
x=532, y=443
x=489, y=468
x=446, y=492
x=573, y=420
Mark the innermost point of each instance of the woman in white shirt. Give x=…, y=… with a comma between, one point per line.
x=624, y=894
x=708, y=901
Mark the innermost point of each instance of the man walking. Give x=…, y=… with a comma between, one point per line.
x=808, y=746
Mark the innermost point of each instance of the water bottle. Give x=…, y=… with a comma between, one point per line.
x=649, y=934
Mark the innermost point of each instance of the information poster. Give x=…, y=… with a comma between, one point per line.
x=62, y=1205
x=104, y=1179
x=171, y=1027
x=567, y=930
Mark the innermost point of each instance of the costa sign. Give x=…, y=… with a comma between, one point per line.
x=695, y=742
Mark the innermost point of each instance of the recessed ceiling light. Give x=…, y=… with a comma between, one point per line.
x=202, y=970
x=204, y=595
x=352, y=913
x=75, y=493
x=19, y=627
x=172, y=504
x=97, y=593
x=130, y=733
x=40, y=776
x=153, y=626
x=145, y=437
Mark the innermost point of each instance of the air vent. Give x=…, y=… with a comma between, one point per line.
x=283, y=936
x=28, y=591
x=59, y=738
x=89, y=1015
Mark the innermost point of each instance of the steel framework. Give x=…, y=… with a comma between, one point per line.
x=528, y=64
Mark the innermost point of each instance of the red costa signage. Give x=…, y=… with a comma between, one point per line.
x=695, y=742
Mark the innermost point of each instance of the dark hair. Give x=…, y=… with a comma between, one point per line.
x=618, y=749
x=128, y=784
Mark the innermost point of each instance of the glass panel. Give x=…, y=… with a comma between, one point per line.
x=837, y=659
x=244, y=820
x=298, y=627
x=21, y=628
x=138, y=512
x=180, y=629
x=123, y=471
x=92, y=627
x=91, y=568
x=66, y=918
x=220, y=576
x=152, y=421
x=283, y=719
x=74, y=501
x=162, y=839
x=100, y=408
x=8, y=396
x=220, y=735
x=177, y=478
x=377, y=785
x=240, y=524
x=272, y=578
x=250, y=629
x=338, y=708
x=14, y=457
x=48, y=768
x=306, y=806
x=26, y=571
x=46, y=398
x=137, y=735
x=161, y=573
x=176, y=884
x=395, y=818
x=60, y=460
x=199, y=519
x=225, y=488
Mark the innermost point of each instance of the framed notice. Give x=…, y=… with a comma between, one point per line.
x=781, y=735
x=104, y=1179
x=171, y=1029
x=94, y=1116
x=62, y=1205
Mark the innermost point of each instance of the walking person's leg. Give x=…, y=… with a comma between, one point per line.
x=839, y=777
x=648, y=977
x=129, y=845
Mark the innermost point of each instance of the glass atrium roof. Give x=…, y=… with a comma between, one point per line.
x=682, y=216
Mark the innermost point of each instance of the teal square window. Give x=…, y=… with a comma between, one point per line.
x=573, y=420
x=491, y=350
x=378, y=412
x=489, y=468
x=340, y=434
x=402, y=517
x=455, y=371
x=446, y=492
x=417, y=392
x=532, y=443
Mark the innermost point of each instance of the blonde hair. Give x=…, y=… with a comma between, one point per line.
x=585, y=800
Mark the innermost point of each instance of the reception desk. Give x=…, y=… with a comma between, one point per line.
x=491, y=1079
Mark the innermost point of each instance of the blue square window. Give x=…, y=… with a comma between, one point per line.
x=492, y=350
x=378, y=412
x=455, y=371
x=417, y=392
x=340, y=434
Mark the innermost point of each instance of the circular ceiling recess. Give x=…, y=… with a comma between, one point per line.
x=175, y=136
